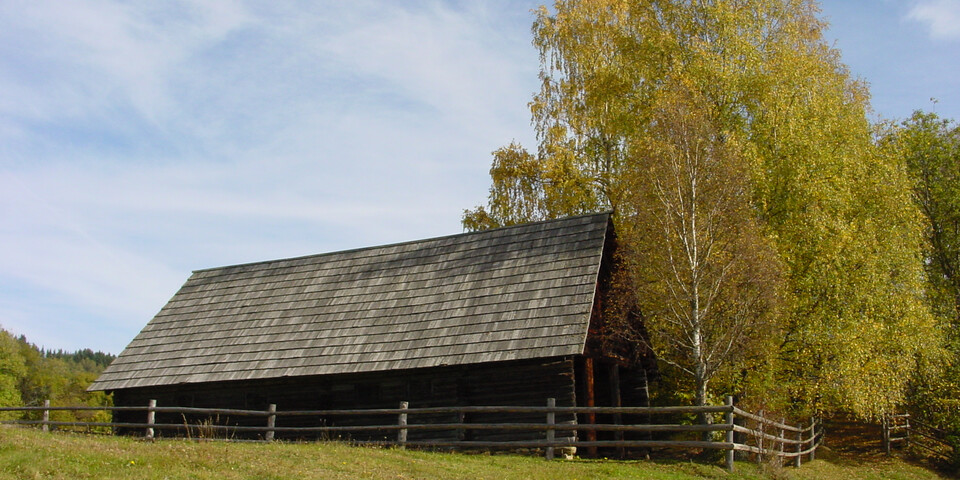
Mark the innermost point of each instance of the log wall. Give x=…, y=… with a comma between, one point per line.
x=519, y=383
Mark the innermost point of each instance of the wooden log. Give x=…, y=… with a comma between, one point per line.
x=758, y=418
x=394, y=411
x=361, y=398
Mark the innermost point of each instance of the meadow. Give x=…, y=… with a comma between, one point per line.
x=30, y=454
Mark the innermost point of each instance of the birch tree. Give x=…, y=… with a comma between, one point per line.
x=790, y=119
x=708, y=281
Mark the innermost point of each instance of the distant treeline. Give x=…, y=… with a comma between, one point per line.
x=99, y=359
x=30, y=374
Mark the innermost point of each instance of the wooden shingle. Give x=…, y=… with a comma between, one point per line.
x=512, y=293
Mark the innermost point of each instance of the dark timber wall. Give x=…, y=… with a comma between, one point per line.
x=525, y=383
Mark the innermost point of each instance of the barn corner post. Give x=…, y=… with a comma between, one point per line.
x=591, y=402
x=551, y=420
x=730, y=420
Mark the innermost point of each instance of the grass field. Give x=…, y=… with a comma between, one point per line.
x=29, y=454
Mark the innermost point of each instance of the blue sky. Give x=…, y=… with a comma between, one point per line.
x=139, y=142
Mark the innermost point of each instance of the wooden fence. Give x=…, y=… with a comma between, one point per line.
x=736, y=430
x=902, y=429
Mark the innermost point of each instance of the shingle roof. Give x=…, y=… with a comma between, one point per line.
x=507, y=294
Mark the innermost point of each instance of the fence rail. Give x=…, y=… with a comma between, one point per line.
x=764, y=437
x=903, y=429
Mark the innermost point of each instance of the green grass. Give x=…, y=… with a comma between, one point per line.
x=29, y=454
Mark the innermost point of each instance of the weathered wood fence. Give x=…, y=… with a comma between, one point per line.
x=896, y=429
x=736, y=431
x=903, y=429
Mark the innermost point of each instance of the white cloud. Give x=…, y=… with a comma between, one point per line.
x=942, y=17
x=105, y=52
x=138, y=142
x=447, y=59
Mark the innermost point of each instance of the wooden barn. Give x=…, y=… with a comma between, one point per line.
x=510, y=316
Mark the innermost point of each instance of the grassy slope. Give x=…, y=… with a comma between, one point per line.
x=26, y=454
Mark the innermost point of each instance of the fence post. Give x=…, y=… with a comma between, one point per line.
x=813, y=438
x=760, y=437
x=271, y=421
x=551, y=419
x=616, y=401
x=46, y=416
x=798, y=461
x=885, y=425
x=402, y=433
x=783, y=443
x=906, y=426
x=730, y=424
x=151, y=416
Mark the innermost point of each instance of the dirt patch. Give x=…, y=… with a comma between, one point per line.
x=854, y=440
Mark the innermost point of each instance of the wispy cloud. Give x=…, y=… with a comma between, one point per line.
x=74, y=59
x=942, y=17
x=138, y=142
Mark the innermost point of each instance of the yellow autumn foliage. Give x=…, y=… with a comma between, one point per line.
x=852, y=317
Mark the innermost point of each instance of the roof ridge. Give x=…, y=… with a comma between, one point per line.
x=407, y=242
